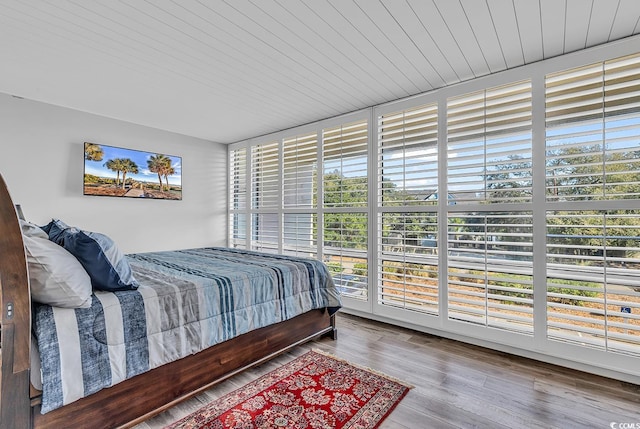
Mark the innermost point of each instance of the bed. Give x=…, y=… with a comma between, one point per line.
x=227, y=323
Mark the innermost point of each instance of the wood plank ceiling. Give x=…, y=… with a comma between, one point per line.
x=229, y=70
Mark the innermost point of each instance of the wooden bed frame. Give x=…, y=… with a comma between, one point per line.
x=138, y=398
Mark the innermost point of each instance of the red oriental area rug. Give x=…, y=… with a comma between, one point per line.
x=314, y=391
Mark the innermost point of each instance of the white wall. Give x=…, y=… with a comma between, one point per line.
x=42, y=160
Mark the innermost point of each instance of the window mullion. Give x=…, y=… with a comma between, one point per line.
x=443, y=201
x=248, y=204
x=539, y=211
x=320, y=196
x=373, y=221
x=280, y=193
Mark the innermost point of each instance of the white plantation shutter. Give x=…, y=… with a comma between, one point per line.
x=300, y=234
x=265, y=176
x=408, y=157
x=265, y=232
x=622, y=128
x=238, y=179
x=238, y=230
x=408, y=261
x=593, y=154
x=408, y=177
x=593, y=285
x=489, y=145
x=265, y=195
x=490, y=253
x=575, y=132
x=593, y=124
x=490, y=271
x=345, y=155
x=345, y=251
x=300, y=170
x=238, y=197
x=300, y=165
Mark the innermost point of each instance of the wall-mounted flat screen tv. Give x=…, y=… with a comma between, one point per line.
x=118, y=172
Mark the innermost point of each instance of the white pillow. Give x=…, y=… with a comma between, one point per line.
x=56, y=276
x=32, y=230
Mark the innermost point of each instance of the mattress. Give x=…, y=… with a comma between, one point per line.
x=188, y=300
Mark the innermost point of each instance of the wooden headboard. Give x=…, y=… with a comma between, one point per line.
x=15, y=326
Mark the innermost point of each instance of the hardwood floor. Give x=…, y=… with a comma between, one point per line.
x=457, y=385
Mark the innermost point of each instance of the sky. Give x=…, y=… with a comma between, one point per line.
x=97, y=168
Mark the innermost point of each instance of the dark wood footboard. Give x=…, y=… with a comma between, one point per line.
x=145, y=395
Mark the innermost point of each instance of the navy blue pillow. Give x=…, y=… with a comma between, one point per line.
x=46, y=228
x=107, y=267
x=54, y=230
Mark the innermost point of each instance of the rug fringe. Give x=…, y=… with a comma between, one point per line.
x=365, y=368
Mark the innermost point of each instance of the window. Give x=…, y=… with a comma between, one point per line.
x=489, y=145
x=444, y=213
x=265, y=232
x=265, y=176
x=345, y=201
x=300, y=234
x=344, y=160
x=593, y=288
x=593, y=123
x=300, y=169
x=593, y=230
x=408, y=261
x=408, y=157
x=344, y=249
x=408, y=182
x=265, y=195
x=490, y=253
x=490, y=270
x=300, y=189
x=238, y=197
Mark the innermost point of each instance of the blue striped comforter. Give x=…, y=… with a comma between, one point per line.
x=188, y=300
